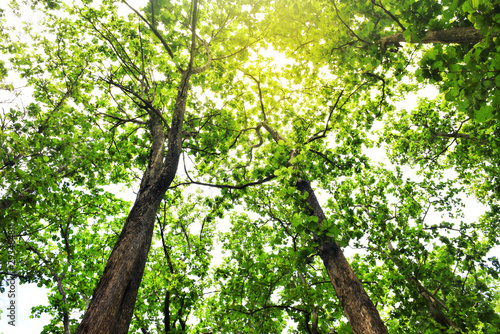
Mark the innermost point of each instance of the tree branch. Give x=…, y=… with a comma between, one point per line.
x=345, y=24
x=388, y=13
x=227, y=186
x=156, y=32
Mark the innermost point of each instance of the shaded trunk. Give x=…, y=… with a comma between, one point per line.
x=114, y=297
x=166, y=313
x=314, y=327
x=467, y=35
x=358, y=307
x=435, y=305
x=113, y=301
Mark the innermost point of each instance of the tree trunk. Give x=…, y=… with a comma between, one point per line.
x=358, y=307
x=113, y=301
x=314, y=327
x=435, y=305
x=114, y=297
x=467, y=35
x=166, y=313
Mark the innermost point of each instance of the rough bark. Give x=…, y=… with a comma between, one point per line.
x=436, y=306
x=358, y=307
x=113, y=301
x=166, y=313
x=466, y=35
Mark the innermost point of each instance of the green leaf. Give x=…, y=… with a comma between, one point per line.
x=407, y=35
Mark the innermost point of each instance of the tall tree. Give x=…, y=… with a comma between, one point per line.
x=126, y=56
x=189, y=83
x=288, y=160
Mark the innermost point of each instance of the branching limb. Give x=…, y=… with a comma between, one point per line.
x=275, y=134
x=227, y=186
x=332, y=109
x=346, y=25
x=145, y=104
x=260, y=93
x=203, y=67
x=388, y=13
x=156, y=32
x=317, y=134
x=257, y=131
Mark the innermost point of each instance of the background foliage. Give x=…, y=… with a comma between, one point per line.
x=296, y=90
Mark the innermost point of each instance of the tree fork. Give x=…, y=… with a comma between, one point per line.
x=112, y=305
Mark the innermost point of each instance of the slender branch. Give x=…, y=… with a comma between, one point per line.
x=58, y=279
x=317, y=134
x=163, y=242
x=155, y=31
x=236, y=52
x=144, y=330
x=324, y=157
x=145, y=103
x=123, y=120
x=269, y=307
x=65, y=237
x=345, y=24
x=7, y=273
x=227, y=186
x=388, y=13
x=459, y=35
x=433, y=300
x=186, y=235
x=332, y=109
x=450, y=135
x=260, y=93
x=152, y=13
x=194, y=16
x=375, y=76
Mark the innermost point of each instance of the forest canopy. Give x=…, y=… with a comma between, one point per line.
x=263, y=139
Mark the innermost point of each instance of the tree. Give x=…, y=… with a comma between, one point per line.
x=422, y=256
x=188, y=83
x=118, y=286
x=113, y=301
x=287, y=160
